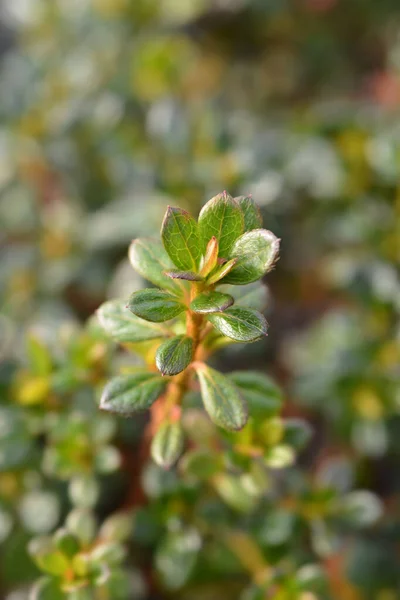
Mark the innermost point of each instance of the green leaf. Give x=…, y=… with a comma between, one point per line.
x=186, y=275
x=211, y=302
x=234, y=493
x=117, y=527
x=46, y=588
x=167, y=444
x=221, y=271
x=84, y=491
x=262, y=394
x=279, y=457
x=66, y=542
x=154, y=305
x=123, y=326
x=222, y=218
x=176, y=557
x=251, y=213
x=201, y=464
x=256, y=252
x=150, y=260
x=180, y=236
x=47, y=557
x=82, y=523
x=221, y=399
x=39, y=356
x=81, y=594
x=298, y=433
x=240, y=324
x=129, y=394
x=174, y=355
x=254, y=295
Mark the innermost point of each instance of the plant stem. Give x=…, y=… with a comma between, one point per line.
x=180, y=383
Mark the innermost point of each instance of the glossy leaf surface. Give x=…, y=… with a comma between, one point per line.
x=221, y=399
x=155, y=305
x=223, y=219
x=211, y=302
x=256, y=252
x=240, y=324
x=181, y=240
x=128, y=394
x=174, y=355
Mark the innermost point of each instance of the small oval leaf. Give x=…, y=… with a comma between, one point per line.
x=174, y=355
x=256, y=252
x=181, y=240
x=129, y=394
x=240, y=324
x=222, y=218
x=123, y=326
x=154, y=305
x=211, y=302
x=167, y=444
x=221, y=399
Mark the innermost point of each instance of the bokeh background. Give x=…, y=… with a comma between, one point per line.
x=112, y=109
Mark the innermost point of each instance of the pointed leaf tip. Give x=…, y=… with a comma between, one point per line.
x=179, y=233
x=221, y=399
x=155, y=305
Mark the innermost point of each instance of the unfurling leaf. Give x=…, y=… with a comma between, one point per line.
x=251, y=213
x=240, y=324
x=128, y=394
x=123, y=326
x=185, y=275
x=222, y=218
x=154, y=305
x=174, y=355
x=221, y=271
x=210, y=257
x=167, y=444
x=181, y=240
x=150, y=260
x=221, y=399
x=211, y=302
x=256, y=252
x=262, y=394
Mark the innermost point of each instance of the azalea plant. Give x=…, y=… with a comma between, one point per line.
x=194, y=311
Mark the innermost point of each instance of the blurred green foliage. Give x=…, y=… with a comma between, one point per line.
x=109, y=111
